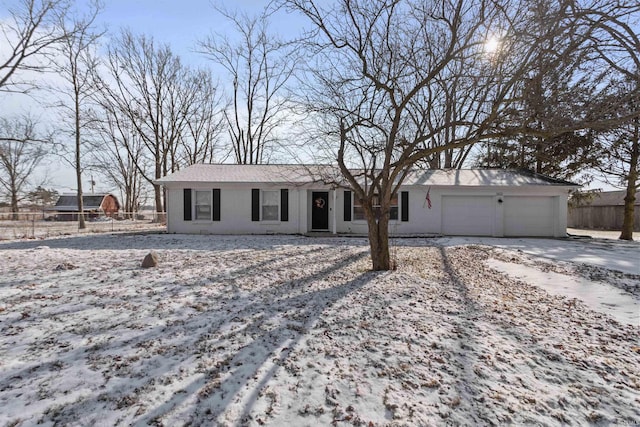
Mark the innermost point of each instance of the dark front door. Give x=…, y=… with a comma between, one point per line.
x=320, y=210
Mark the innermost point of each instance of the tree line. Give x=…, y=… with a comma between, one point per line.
x=378, y=87
x=132, y=109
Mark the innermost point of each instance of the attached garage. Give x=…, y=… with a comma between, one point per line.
x=468, y=215
x=488, y=202
x=529, y=216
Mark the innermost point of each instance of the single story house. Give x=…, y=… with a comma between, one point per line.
x=94, y=205
x=292, y=199
x=605, y=211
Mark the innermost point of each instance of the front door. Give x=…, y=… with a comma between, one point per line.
x=320, y=210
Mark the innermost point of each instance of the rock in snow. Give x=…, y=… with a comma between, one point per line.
x=151, y=260
x=65, y=266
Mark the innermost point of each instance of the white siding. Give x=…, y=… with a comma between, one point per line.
x=235, y=213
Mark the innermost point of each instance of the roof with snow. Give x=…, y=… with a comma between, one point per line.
x=610, y=198
x=304, y=174
x=228, y=173
x=481, y=177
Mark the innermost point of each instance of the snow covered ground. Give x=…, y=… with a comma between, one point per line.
x=40, y=229
x=600, y=234
x=288, y=330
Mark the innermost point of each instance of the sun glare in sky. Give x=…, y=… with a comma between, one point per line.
x=492, y=45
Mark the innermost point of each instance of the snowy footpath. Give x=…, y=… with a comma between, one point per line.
x=288, y=330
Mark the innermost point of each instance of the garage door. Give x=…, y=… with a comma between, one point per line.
x=529, y=216
x=468, y=215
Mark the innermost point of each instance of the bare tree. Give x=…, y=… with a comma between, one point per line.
x=259, y=65
x=29, y=37
x=76, y=66
x=566, y=84
x=454, y=109
x=115, y=153
x=623, y=162
x=21, y=151
x=147, y=89
x=200, y=141
x=384, y=77
x=140, y=86
x=616, y=41
x=620, y=154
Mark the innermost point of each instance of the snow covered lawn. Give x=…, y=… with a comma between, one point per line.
x=287, y=330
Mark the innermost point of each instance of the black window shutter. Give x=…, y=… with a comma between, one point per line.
x=404, y=205
x=284, y=204
x=216, y=204
x=187, y=204
x=255, y=204
x=347, y=205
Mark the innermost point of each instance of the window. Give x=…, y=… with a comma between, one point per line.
x=393, y=213
x=270, y=205
x=203, y=205
x=358, y=210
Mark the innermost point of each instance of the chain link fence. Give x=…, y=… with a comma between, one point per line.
x=37, y=225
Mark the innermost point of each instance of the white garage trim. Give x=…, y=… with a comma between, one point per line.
x=468, y=215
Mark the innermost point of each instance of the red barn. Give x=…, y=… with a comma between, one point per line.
x=94, y=205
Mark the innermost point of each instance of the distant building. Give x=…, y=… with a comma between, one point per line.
x=604, y=212
x=94, y=205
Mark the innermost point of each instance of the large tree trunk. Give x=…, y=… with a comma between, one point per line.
x=630, y=197
x=158, y=198
x=81, y=223
x=128, y=200
x=156, y=188
x=627, y=222
x=14, y=204
x=379, y=242
x=538, y=156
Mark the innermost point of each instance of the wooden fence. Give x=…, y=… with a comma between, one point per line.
x=600, y=217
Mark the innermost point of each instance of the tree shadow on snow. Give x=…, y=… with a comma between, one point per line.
x=237, y=341
x=279, y=322
x=160, y=241
x=542, y=354
x=467, y=333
